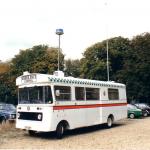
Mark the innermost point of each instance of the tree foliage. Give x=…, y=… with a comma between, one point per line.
x=94, y=61
x=136, y=71
x=72, y=67
x=129, y=63
x=4, y=67
x=38, y=59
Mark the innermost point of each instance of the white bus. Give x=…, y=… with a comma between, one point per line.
x=57, y=103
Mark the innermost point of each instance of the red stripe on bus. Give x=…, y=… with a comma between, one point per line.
x=87, y=106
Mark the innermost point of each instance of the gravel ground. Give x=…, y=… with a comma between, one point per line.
x=125, y=135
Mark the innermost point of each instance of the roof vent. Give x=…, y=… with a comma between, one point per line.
x=58, y=73
x=26, y=73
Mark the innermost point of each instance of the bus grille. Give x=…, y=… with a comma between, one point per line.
x=30, y=116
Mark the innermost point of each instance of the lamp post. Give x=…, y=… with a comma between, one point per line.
x=107, y=60
x=59, y=32
x=107, y=44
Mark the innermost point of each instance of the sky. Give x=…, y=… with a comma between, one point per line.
x=26, y=23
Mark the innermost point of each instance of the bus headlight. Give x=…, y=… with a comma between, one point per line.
x=39, y=116
x=18, y=115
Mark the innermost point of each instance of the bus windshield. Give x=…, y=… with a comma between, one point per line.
x=35, y=95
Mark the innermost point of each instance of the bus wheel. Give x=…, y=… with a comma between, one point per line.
x=32, y=133
x=60, y=131
x=109, y=122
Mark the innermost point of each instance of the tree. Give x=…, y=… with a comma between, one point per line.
x=137, y=68
x=5, y=83
x=4, y=67
x=48, y=63
x=93, y=64
x=38, y=59
x=8, y=89
x=129, y=63
x=72, y=67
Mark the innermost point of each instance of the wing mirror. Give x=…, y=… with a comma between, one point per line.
x=57, y=92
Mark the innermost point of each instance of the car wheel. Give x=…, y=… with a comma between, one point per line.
x=60, y=131
x=132, y=116
x=109, y=122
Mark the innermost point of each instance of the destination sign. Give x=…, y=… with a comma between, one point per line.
x=28, y=78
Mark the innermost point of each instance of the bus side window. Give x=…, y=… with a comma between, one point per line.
x=62, y=93
x=113, y=94
x=48, y=94
x=79, y=93
x=92, y=94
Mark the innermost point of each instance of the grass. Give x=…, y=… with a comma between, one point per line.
x=7, y=126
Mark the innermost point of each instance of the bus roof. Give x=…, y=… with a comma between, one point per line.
x=35, y=78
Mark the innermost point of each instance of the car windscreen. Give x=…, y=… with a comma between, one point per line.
x=7, y=107
x=143, y=105
x=131, y=107
x=10, y=107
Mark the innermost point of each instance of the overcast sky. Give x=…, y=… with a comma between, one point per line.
x=26, y=23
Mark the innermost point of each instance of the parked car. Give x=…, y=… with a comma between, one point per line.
x=8, y=111
x=144, y=112
x=143, y=106
x=133, y=111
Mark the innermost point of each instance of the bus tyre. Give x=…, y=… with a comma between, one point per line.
x=109, y=122
x=60, y=131
x=132, y=116
x=32, y=133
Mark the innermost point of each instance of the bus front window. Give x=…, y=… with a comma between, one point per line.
x=35, y=95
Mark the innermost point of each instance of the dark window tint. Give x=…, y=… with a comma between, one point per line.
x=48, y=95
x=37, y=94
x=92, y=94
x=113, y=94
x=23, y=94
x=79, y=93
